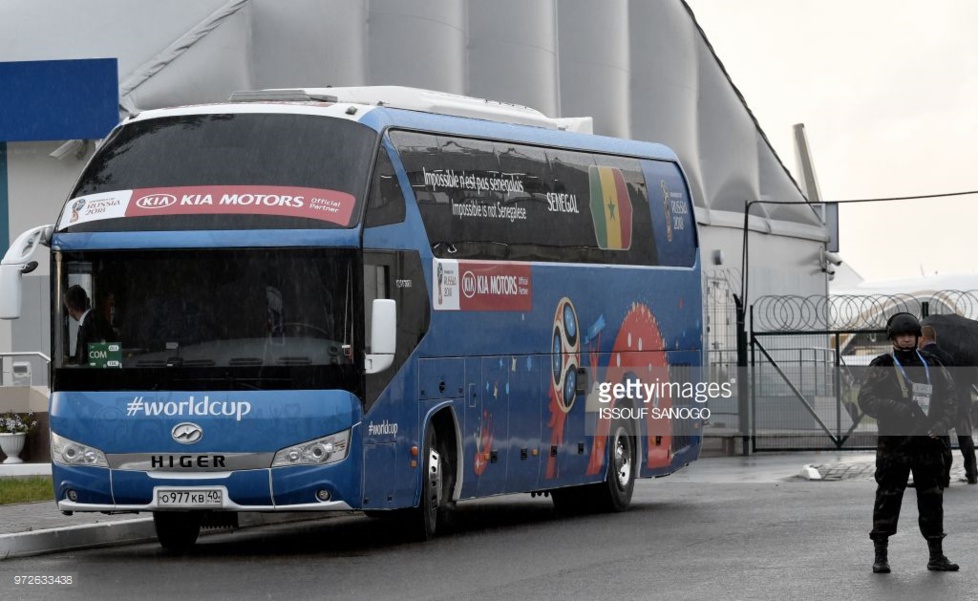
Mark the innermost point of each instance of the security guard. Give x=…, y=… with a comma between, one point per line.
x=912, y=398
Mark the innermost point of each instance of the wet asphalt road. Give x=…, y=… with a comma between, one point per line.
x=684, y=538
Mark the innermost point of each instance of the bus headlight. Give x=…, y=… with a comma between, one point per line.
x=321, y=451
x=71, y=453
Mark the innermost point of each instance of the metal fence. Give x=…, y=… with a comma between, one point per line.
x=721, y=344
x=806, y=359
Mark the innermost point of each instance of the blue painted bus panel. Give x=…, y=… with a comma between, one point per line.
x=475, y=427
x=91, y=484
x=489, y=463
x=380, y=463
x=232, y=422
x=644, y=319
x=392, y=428
x=440, y=378
x=298, y=485
x=524, y=459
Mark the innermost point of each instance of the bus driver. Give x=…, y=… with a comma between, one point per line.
x=79, y=306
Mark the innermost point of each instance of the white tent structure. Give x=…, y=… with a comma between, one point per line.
x=642, y=69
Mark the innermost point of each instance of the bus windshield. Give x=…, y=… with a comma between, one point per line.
x=271, y=317
x=202, y=161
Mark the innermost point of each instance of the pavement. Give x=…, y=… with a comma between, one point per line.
x=38, y=528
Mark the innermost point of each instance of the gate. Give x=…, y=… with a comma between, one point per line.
x=807, y=357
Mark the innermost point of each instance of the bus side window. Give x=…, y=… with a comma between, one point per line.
x=385, y=205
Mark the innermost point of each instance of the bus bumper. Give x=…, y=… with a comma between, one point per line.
x=305, y=488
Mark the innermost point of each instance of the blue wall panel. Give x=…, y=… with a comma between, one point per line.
x=4, y=198
x=58, y=100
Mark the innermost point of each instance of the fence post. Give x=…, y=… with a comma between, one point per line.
x=837, y=384
x=742, y=388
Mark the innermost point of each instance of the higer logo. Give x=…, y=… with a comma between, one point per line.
x=204, y=407
x=187, y=433
x=156, y=201
x=188, y=461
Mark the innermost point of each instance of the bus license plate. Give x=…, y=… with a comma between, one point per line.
x=189, y=498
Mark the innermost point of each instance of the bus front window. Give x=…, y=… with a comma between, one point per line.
x=231, y=311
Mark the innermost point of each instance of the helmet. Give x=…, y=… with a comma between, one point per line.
x=902, y=323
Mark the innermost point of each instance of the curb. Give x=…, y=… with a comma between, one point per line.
x=122, y=532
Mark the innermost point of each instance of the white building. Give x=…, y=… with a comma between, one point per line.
x=642, y=69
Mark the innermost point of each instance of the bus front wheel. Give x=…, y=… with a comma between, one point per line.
x=176, y=531
x=430, y=514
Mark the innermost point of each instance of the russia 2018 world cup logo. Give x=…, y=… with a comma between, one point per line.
x=440, y=277
x=564, y=360
x=566, y=355
x=76, y=208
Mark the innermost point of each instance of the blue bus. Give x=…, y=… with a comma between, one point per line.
x=376, y=299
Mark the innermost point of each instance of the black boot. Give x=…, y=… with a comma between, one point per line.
x=939, y=563
x=880, y=564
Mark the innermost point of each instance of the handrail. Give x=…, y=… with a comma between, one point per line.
x=27, y=354
x=31, y=356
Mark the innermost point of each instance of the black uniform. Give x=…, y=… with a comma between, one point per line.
x=905, y=444
x=92, y=329
x=961, y=424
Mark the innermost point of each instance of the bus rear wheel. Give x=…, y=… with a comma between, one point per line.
x=176, y=531
x=616, y=492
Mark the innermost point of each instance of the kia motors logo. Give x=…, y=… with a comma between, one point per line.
x=468, y=284
x=156, y=201
x=187, y=433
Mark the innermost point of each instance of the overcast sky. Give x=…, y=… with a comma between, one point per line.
x=888, y=93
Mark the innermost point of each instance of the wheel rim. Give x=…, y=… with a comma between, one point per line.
x=434, y=482
x=623, y=459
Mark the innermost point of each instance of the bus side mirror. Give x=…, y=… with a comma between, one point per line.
x=15, y=264
x=383, y=335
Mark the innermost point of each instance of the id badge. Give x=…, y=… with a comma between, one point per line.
x=922, y=394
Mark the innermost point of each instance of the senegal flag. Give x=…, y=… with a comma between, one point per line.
x=611, y=208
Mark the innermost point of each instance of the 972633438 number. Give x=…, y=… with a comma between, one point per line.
x=43, y=579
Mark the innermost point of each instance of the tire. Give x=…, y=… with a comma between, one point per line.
x=430, y=516
x=176, y=531
x=616, y=492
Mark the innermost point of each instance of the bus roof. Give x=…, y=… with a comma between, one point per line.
x=380, y=107
x=425, y=101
